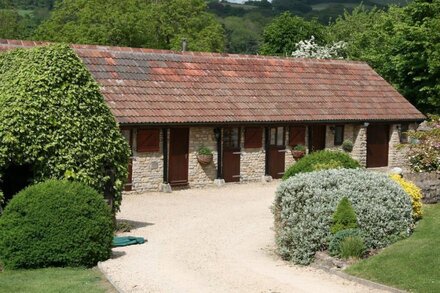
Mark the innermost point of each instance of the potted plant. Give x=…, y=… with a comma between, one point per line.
x=347, y=146
x=298, y=151
x=204, y=155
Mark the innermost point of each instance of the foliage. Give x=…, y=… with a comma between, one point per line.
x=285, y=31
x=335, y=241
x=414, y=193
x=352, y=246
x=55, y=223
x=401, y=44
x=304, y=205
x=134, y=23
x=66, y=280
x=424, y=153
x=347, y=145
x=321, y=160
x=299, y=147
x=408, y=264
x=310, y=49
x=54, y=118
x=203, y=150
x=344, y=217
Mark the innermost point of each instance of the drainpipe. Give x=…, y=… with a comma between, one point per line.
x=218, y=136
x=266, y=147
x=165, y=154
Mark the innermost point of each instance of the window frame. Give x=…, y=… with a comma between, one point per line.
x=337, y=142
x=276, y=128
x=153, y=148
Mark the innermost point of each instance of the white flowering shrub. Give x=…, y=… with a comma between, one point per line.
x=310, y=49
x=304, y=205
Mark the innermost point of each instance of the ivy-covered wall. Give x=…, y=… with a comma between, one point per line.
x=54, y=118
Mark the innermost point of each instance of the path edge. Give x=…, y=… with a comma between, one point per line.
x=361, y=281
x=109, y=279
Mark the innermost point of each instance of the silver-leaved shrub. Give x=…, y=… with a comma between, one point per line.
x=304, y=205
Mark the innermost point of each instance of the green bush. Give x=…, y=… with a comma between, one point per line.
x=55, y=223
x=347, y=146
x=352, y=246
x=304, y=206
x=344, y=217
x=54, y=118
x=334, y=247
x=321, y=160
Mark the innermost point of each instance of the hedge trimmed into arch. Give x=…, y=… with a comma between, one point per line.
x=53, y=117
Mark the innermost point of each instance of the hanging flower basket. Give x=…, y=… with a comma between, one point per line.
x=204, y=159
x=297, y=154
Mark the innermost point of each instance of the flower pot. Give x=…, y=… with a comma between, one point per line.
x=297, y=154
x=204, y=159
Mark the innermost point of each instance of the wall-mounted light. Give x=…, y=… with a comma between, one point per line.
x=332, y=129
x=366, y=124
x=217, y=132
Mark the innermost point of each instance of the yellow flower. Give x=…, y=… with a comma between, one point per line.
x=414, y=193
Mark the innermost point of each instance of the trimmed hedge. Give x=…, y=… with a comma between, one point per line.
x=414, y=192
x=322, y=160
x=305, y=203
x=54, y=118
x=55, y=223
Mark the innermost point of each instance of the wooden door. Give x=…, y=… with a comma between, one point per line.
x=277, y=152
x=231, y=154
x=317, y=137
x=178, y=157
x=377, y=146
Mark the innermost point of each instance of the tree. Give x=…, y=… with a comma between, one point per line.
x=402, y=44
x=310, y=49
x=134, y=23
x=282, y=34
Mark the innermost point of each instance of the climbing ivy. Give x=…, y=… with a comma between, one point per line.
x=54, y=118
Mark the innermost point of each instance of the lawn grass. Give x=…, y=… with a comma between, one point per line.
x=412, y=264
x=54, y=280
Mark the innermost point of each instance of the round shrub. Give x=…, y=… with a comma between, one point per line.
x=53, y=118
x=414, y=193
x=55, y=223
x=305, y=203
x=334, y=247
x=322, y=160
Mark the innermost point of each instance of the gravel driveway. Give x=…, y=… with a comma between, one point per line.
x=210, y=240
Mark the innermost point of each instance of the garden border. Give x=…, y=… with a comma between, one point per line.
x=361, y=281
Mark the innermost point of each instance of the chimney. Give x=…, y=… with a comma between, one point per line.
x=184, y=45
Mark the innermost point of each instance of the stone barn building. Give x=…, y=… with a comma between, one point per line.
x=249, y=110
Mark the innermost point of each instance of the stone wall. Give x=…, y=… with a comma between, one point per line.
x=360, y=144
x=201, y=175
x=147, y=168
x=429, y=183
x=397, y=154
x=252, y=161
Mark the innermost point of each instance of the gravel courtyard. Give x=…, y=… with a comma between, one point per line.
x=210, y=240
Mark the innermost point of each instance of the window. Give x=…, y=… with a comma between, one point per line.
x=253, y=137
x=127, y=133
x=277, y=136
x=403, y=132
x=339, y=134
x=148, y=140
x=231, y=138
x=297, y=135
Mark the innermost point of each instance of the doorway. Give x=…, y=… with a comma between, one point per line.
x=277, y=152
x=317, y=137
x=231, y=154
x=178, y=157
x=377, y=145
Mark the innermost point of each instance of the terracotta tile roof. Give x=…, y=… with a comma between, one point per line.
x=156, y=86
